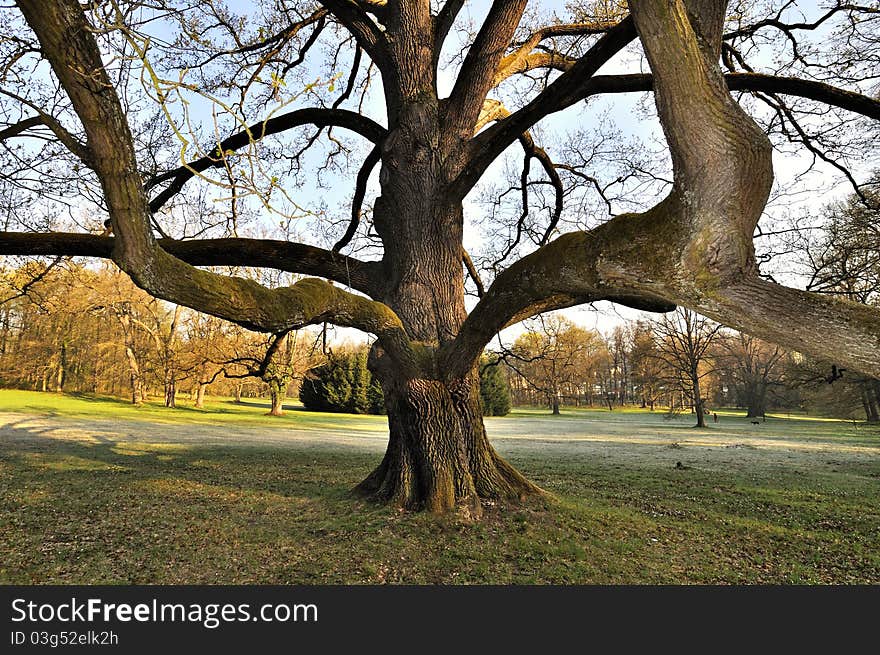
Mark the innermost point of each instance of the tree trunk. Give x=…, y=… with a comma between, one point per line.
x=874, y=399
x=277, y=393
x=438, y=455
x=554, y=404
x=137, y=384
x=756, y=399
x=238, y=393
x=200, y=395
x=869, y=402
x=698, y=401
x=171, y=391
x=61, y=376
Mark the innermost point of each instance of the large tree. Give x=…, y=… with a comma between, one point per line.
x=693, y=248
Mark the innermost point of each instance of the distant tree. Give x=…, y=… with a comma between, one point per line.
x=287, y=361
x=621, y=365
x=647, y=366
x=844, y=261
x=343, y=383
x=683, y=339
x=556, y=356
x=753, y=366
x=206, y=348
x=494, y=390
x=831, y=390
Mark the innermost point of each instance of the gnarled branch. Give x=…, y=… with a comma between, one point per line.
x=68, y=44
x=296, y=258
x=695, y=247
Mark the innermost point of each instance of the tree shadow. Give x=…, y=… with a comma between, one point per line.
x=312, y=472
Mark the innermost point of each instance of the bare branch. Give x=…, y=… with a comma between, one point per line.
x=20, y=127
x=360, y=192
x=472, y=271
x=82, y=151
x=364, y=126
x=562, y=93
x=443, y=23
x=365, y=31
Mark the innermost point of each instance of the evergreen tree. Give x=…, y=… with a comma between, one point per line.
x=343, y=384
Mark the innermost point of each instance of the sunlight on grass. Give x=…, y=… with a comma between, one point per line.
x=37, y=496
x=68, y=463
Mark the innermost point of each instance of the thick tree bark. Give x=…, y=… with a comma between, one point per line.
x=438, y=455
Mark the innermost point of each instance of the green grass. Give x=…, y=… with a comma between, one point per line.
x=93, y=490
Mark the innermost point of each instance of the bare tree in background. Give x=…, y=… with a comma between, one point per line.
x=683, y=339
x=556, y=358
x=754, y=366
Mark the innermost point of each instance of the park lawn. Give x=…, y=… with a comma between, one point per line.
x=93, y=490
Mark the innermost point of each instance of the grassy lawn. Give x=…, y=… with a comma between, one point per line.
x=93, y=490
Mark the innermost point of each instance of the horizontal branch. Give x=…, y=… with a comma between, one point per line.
x=630, y=260
x=19, y=127
x=296, y=258
x=319, y=117
x=810, y=89
x=68, y=43
x=641, y=83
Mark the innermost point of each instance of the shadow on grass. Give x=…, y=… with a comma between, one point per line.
x=107, y=509
x=315, y=473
